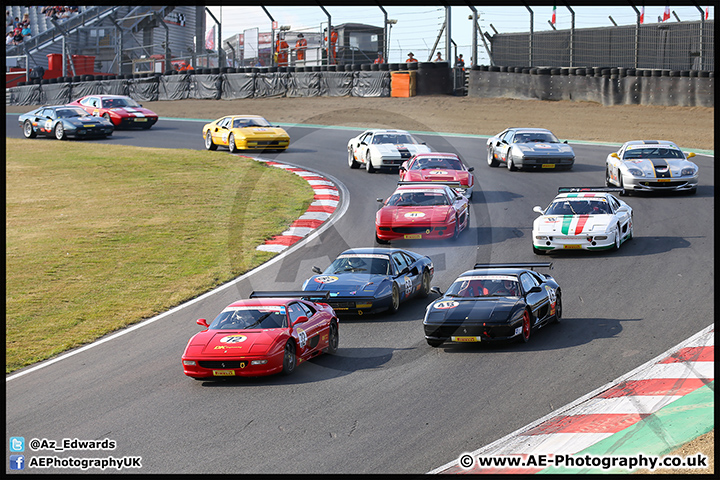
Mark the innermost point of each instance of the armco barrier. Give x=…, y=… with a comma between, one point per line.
x=595, y=84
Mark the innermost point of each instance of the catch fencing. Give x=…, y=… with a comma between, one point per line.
x=673, y=46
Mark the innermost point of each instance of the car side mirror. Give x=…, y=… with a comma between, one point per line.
x=535, y=289
x=300, y=319
x=565, y=141
x=203, y=322
x=316, y=270
x=623, y=209
x=436, y=290
x=615, y=155
x=538, y=209
x=471, y=169
x=690, y=155
x=363, y=143
x=380, y=200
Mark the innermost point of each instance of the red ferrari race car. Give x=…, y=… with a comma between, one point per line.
x=432, y=210
x=122, y=111
x=269, y=333
x=438, y=167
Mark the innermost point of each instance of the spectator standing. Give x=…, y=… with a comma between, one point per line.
x=411, y=58
x=379, y=58
x=439, y=57
x=460, y=62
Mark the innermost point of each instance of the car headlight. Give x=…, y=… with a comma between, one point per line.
x=687, y=171
x=636, y=172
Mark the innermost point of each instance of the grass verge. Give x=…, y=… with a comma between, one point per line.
x=101, y=236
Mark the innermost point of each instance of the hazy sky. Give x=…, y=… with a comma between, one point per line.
x=418, y=27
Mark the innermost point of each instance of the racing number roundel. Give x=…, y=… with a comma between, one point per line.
x=445, y=305
x=233, y=339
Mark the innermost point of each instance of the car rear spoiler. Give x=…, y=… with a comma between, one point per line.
x=290, y=294
x=449, y=184
x=590, y=189
x=531, y=265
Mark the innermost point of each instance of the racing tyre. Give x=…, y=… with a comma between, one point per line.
x=538, y=251
x=492, y=161
x=558, y=309
x=456, y=233
x=608, y=183
x=333, y=339
x=106, y=116
x=352, y=163
x=510, y=163
x=60, y=131
x=526, y=327
x=289, y=359
x=621, y=184
x=368, y=164
x=232, y=146
x=28, y=130
x=425, y=288
x=209, y=142
x=381, y=241
x=618, y=238
x=394, y=300
x=435, y=343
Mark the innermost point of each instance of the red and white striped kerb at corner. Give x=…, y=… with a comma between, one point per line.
x=323, y=205
x=607, y=410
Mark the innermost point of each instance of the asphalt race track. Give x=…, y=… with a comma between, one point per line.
x=387, y=402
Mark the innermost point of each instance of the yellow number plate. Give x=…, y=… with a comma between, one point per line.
x=548, y=165
x=412, y=237
x=663, y=179
x=572, y=246
x=224, y=373
x=465, y=339
x=141, y=119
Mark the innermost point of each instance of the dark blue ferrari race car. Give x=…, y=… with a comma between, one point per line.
x=371, y=280
x=61, y=122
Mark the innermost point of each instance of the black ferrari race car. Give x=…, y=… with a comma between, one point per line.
x=491, y=302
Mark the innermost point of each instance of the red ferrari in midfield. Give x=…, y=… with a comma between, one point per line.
x=269, y=333
x=431, y=210
x=122, y=111
x=438, y=167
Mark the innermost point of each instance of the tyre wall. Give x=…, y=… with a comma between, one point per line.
x=608, y=86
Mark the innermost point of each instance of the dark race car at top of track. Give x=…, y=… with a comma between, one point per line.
x=62, y=121
x=493, y=302
x=269, y=333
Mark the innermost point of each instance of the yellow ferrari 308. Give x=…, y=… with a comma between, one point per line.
x=244, y=132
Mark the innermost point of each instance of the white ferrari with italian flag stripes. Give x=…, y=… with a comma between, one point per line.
x=582, y=218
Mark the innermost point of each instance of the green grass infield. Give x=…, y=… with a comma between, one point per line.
x=99, y=237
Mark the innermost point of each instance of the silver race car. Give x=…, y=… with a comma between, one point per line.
x=647, y=165
x=529, y=148
x=377, y=149
x=582, y=218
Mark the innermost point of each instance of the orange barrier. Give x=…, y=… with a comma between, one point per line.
x=402, y=84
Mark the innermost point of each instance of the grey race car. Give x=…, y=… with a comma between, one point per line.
x=521, y=148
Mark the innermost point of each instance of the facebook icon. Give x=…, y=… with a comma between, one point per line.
x=17, y=462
